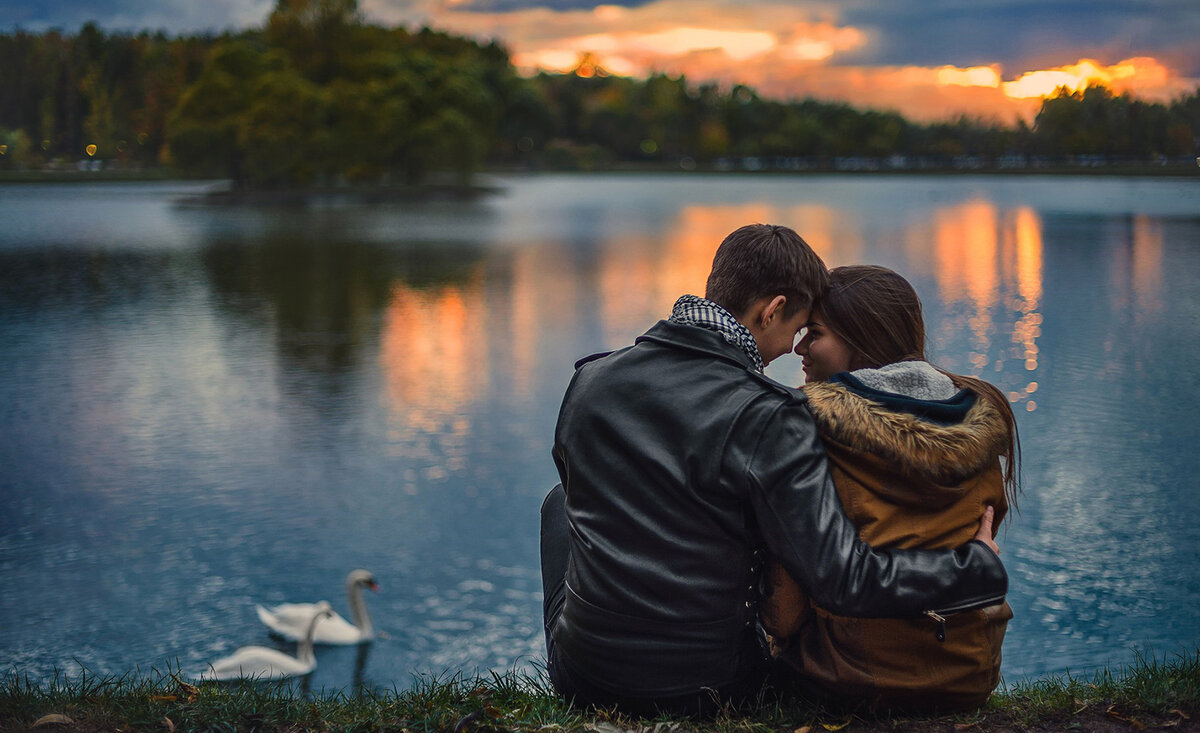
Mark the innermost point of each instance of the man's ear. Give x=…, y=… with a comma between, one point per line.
x=772, y=310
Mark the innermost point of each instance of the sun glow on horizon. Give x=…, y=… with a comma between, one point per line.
x=975, y=76
x=1141, y=71
x=800, y=52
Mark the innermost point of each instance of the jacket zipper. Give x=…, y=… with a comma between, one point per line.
x=940, y=632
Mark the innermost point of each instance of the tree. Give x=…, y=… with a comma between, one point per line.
x=205, y=128
x=318, y=35
x=15, y=149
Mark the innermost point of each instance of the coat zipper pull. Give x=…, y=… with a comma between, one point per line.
x=940, y=633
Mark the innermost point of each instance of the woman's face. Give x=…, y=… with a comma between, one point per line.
x=824, y=353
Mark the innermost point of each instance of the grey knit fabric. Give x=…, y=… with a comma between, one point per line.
x=693, y=310
x=917, y=379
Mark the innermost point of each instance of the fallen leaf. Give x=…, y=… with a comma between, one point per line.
x=1181, y=714
x=835, y=726
x=168, y=724
x=164, y=698
x=803, y=729
x=52, y=719
x=1115, y=714
x=965, y=726
x=188, y=688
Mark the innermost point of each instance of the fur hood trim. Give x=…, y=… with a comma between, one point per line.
x=943, y=454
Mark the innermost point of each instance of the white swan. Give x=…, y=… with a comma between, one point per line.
x=260, y=662
x=289, y=619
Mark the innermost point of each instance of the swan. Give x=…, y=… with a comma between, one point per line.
x=260, y=662
x=289, y=619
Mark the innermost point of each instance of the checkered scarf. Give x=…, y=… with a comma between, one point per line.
x=691, y=310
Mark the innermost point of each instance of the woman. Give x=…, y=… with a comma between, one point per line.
x=916, y=454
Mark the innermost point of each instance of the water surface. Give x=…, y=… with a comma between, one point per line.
x=206, y=408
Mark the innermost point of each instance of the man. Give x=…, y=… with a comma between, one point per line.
x=682, y=467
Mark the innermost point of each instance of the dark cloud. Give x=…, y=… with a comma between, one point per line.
x=67, y=15
x=1020, y=35
x=133, y=15
x=1024, y=35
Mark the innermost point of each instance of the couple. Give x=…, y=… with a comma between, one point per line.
x=701, y=544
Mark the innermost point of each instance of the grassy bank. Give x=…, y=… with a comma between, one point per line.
x=1149, y=694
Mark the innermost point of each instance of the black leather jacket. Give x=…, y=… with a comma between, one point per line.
x=682, y=468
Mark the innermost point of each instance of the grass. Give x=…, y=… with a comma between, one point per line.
x=1150, y=693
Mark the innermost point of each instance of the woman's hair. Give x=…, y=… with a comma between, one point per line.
x=877, y=314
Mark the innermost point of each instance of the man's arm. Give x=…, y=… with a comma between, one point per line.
x=803, y=525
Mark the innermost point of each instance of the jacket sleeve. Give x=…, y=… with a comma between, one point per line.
x=782, y=463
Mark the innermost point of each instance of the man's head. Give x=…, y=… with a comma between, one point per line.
x=768, y=278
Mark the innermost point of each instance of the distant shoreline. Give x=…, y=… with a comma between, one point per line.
x=488, y=185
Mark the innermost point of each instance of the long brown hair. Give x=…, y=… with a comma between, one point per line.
x=877, y=313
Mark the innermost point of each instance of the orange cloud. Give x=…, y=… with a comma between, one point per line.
x=1143, y=76
x=975, y=76
x=782, y=50
x=637, y=53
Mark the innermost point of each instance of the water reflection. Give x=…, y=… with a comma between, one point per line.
x=1147, y=256
x=645, y=273
x=433, y=351
x=205, y=410
x=986, y=264
x=360, y=666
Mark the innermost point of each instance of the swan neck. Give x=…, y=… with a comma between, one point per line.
x=304, y=649
x=358, y=608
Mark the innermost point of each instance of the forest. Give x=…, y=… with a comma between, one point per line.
x=320, y=97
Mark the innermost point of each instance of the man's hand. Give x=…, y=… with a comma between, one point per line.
x=984, y=534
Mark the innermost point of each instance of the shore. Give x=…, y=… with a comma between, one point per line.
x=1148, y=695
x=484, y=181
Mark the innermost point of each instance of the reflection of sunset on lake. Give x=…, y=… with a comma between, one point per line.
x=1147, y=264
x=639, y=277
x=440, y=338
x=987, y=266
x=978, y=266
x=965, y=253
x=1027, y=233
x=257, y=390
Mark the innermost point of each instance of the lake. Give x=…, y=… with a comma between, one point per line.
x=204, y=408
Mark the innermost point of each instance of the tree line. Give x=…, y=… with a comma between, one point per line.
x=318, y=97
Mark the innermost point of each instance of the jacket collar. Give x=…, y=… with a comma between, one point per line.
x=953, y=409
x=902, y=436
x=696, y=339
x=693, y=310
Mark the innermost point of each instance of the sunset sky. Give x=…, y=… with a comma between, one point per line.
x=928, y=59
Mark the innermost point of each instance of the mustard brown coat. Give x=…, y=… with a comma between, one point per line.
x=906, y=481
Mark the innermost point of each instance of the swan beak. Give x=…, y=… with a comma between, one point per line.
x=373, y=586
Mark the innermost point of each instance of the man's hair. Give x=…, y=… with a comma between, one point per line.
x=761, y=261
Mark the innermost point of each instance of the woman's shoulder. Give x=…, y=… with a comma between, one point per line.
x=927, y=435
